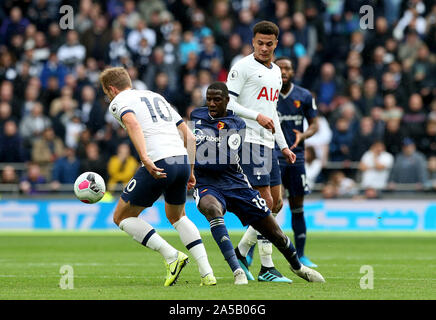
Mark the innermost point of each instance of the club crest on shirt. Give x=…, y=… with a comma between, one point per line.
x=233, y=74
x=114, y=107
x=297, y=103
x=220, y=125
x=234, y=141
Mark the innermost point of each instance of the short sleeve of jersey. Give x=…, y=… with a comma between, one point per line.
x=310, y=108
x=120, y=107
x=236, y=79
x=175, y=115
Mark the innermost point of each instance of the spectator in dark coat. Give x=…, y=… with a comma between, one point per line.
x=93, y=161
x=30, y=181
x=92, y=113
x=53, y=68
x=393, y=136
x=11, y=149
x=65, y=169
x=410, y=167
x=14, y=24
x=363, y=140
x=427, y=144
x=340, y=146
x=415, y=118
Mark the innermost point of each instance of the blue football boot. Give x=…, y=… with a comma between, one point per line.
x=306, y=261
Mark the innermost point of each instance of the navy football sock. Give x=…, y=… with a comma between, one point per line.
x=221, y=236
x=288, y=250
x=299, y=228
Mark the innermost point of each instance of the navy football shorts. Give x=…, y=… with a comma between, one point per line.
x=245, y=203
x=143, y=190
x=260, y=165
x=294, y=179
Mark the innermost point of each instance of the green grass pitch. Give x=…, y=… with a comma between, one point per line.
x=110, y=265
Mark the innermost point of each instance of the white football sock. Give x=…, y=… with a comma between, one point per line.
x=265, y=251
x=144, y=233
x=248, y=240
x=191, y=239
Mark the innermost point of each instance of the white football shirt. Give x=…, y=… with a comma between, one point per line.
x=157, y=119
x=255, y=88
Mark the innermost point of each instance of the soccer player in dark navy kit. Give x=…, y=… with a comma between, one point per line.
x=295, y=103
x=221, y=184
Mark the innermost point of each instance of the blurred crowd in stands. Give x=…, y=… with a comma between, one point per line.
x=375, y=88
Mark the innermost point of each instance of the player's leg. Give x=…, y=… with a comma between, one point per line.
x=249, y=206
x=191, y=239
x=277, y=195
x=263, y=166
x=296, y=204
x=141, y=192
x=271, y=230
x=251, y=237
x=265, y=250
x=298, y=188
x=175, y=198
x=126, y=217
x=265, y=246
x=214, y=210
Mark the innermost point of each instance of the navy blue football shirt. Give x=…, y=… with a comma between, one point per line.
x=292, y=108
x=219, y=144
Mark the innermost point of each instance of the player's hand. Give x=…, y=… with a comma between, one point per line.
x=289, y=155
x=298, y=138
x=191, y=182
x=157, y=173
x=265, y=122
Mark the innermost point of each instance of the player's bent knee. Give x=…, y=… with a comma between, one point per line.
x=210, y=207
x=117, y=218
x=211, y=211
x=125, y=210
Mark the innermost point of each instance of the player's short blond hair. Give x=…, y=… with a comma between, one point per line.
x=117, y=77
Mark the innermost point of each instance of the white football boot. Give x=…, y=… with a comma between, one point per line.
x=308, y=274
x=240, y=277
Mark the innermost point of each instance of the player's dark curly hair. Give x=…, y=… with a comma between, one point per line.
x=283, y=58
x=219, y=86
x=266, y=27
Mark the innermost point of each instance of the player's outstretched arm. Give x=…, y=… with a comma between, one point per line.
x=135, y=133
x=190, y=145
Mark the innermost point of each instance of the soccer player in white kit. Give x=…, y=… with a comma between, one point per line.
x=254, y=84
x=163, y=142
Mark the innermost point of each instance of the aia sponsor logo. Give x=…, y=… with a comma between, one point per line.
x=268, y=95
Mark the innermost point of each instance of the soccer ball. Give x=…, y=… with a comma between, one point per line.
x=89, y=187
